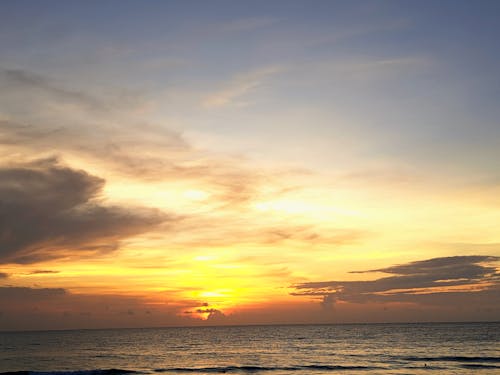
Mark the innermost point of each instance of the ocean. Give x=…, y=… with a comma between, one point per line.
x=438, y=348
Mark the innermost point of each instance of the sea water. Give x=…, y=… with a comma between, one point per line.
x=449, y=348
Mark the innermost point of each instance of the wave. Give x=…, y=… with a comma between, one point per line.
x=452, y=359
x=221, y=369
x=254, y=369
x=230, y=369
x=479, y=366
x=112, y=371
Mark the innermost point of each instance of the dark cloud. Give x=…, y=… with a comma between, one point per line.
x=206, y=311
x=55, y=308
x=3, y=275
x=23, y=294
x=328, y=301
x=216, y=317
x=42, y=272
x=50, y=211
x=446, y=267
x=427, y=281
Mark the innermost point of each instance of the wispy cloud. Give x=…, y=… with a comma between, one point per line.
x=238, y=87
x=18, y=79
x=139, y=151
x=117, y=139
x=213, y=232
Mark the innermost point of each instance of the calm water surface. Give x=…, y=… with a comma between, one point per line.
x=315, y=349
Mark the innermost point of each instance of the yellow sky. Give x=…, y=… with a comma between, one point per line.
x=244, y=166
x=246, y=251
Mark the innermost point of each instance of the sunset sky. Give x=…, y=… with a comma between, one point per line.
x=248, y=162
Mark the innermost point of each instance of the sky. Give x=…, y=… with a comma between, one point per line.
x=179, y=163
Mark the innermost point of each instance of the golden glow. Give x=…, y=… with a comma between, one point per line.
x=222, y=254
x=196, y=195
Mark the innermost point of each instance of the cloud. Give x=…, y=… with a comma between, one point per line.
x=110, y=129
x=42, y=272
x=118, y=147
x=238, y=87
x=216, y=316
x=445, y=268
x=50, y=211
x=328, y=301
x=3, y=275
x=108, y=132
x=206, y=311
x=117, y=139
x=448, y=278
x=120, y=144
x=57, y=308
x=17, y=294
x=215, y=232
x=23, y=80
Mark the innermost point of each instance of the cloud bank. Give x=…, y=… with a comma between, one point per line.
x=24, y=308
x=452, y=280
x=51, y=211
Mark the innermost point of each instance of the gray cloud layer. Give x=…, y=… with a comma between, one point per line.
x=411, y=282
x=16, y=294
x=57, y=308
x=50, y=211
